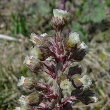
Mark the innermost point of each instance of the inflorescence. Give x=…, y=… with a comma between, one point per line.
x=56, y=60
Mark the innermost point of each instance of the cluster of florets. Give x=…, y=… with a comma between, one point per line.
x=56, y=59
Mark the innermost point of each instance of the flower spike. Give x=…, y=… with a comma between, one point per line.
x=56, y=60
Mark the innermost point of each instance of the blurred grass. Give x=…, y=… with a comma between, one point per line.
x=19, y=18
x=10, y=70
x=19, y=24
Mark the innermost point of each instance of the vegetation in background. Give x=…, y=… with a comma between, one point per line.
x=19, y=24
x=92, y=11
x=77, y=27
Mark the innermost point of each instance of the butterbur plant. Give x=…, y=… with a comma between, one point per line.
x=56, y=59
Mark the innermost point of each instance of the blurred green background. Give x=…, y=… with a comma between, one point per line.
x=19, y=18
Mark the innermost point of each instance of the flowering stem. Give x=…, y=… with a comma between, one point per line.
x=56, y=57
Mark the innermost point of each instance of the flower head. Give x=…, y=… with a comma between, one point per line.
x=60, y=19
x=43, y=35
x=61, y=14
x=32, y=98
x=25, y=82
x=66, y=87
x=17, y=108
x=21, y=108
x=87, y=82
x=94, y=98
x=23, y=101
x=83, y=46
x=35, y=39
x=21, y=81
x=32, y=62
x=38, y=40
x=65, y=84
x=35, y=51
x=73, y=39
